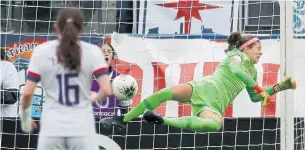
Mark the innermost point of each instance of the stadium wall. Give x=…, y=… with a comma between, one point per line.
x=243, y=129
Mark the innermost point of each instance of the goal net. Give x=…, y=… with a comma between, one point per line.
x=163, y=43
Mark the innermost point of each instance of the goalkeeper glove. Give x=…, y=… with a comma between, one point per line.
x=265, y=97
x=287, y=83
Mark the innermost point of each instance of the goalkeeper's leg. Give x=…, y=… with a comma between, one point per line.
x=207, y=121
x=180, y=92
x=205, y=118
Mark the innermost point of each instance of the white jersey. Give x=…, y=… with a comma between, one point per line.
x=67, y=110
x=9, y=79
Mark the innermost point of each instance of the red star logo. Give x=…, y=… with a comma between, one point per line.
x=188, y=9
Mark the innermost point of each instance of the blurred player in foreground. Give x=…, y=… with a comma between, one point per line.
x=65, y=67
x=210, y=96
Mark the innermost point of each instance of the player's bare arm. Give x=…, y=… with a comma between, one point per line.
x=33, y=77
x=101, y=73
x=25, y=109
x=105, y=88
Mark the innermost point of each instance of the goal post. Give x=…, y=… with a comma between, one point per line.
x=286, y=70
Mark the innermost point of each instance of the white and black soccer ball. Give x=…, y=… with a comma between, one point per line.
x=124, y=87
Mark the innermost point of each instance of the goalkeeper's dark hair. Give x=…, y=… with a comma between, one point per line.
x=235, y=40
x=69, y=21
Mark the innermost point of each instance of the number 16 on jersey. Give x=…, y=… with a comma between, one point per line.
x=65, y=88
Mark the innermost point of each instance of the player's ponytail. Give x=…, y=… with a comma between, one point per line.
x=69, y=51
x=235, y=40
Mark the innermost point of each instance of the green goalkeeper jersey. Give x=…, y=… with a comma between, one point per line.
x=235, y=73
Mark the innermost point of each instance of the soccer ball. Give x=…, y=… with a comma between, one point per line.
x=124, y=87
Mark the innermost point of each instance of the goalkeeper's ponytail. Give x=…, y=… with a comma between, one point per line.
x=235, y=40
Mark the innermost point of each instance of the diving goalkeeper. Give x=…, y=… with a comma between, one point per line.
x=210, y=96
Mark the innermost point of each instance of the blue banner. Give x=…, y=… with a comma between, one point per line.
x=299, y=17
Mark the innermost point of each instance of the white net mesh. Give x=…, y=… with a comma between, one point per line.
x=299, y=30
x=159, y=60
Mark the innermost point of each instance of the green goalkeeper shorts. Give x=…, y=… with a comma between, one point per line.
x=204, y=97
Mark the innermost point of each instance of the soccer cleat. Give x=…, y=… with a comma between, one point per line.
x=153, y=118
x=113, y=122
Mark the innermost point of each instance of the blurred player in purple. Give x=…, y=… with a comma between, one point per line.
x=110, y=106
x=64, y=67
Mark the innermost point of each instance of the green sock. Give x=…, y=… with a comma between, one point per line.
x=193, y=123
x=150, y=103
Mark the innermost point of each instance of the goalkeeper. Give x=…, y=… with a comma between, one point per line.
x=210, y=96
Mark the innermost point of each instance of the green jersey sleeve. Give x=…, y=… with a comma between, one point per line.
x=233, y=74
x=252, y=93
x=254, y=96
x=239, y=68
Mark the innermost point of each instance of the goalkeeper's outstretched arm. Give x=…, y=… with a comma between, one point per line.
x=288, y=83
x=237, y=68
